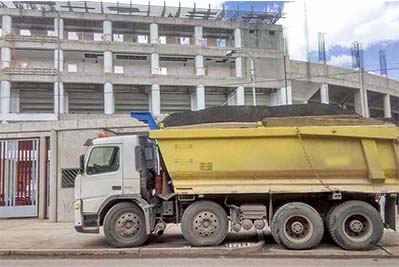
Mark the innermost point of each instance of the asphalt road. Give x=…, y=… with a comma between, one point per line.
x=199, y=262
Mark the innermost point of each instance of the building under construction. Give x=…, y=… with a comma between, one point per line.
x=93, y=58
x=87, y=57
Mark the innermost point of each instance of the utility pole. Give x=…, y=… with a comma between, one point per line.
x=58, y=66
x=253, y=81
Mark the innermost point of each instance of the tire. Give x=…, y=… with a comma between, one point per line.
x=204, y=223
x=355, y=225
x=297, y=225
x=124, y=226
x=327, y=236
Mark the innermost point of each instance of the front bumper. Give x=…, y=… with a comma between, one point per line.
x=82, y=225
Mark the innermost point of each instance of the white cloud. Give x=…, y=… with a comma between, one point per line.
x=341, y=60
x=343, y=22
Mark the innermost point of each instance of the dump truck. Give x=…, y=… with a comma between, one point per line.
x=305, y=181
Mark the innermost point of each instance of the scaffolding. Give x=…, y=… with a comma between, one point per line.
x=130, y=9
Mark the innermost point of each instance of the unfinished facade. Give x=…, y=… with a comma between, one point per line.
x=84, y=57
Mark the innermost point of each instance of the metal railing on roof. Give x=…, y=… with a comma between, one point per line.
x=131, y=9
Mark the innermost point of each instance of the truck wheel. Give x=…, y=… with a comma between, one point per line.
x=124, y=226
x=204, y=223
x=326, y=219
x=297, y=225
x=355, y=225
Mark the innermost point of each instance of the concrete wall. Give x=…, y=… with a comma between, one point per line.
x=66, y=144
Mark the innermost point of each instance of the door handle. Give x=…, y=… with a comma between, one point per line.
x=116, y=187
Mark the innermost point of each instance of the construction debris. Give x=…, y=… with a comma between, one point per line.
x=247, y=114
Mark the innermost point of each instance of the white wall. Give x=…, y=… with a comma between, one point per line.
x=134, y=67
x=38, y=59
x=90, y=66
x=179, y=68
x=219, y=70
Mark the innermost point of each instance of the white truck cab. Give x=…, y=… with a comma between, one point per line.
x=112, y=170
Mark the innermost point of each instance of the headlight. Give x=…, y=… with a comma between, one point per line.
x=77, y=204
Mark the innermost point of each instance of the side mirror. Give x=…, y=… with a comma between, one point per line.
x=82, y=164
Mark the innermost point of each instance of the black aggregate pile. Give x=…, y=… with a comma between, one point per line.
x=251, y=113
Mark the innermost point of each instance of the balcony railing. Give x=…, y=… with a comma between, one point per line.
x=30, y=71
x=37, y=38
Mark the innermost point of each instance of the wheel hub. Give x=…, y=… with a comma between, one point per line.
x=205, y=224
x=127, y=225
x=356, y=226
x=297, y=227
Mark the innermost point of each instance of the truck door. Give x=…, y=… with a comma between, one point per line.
x=102, y=176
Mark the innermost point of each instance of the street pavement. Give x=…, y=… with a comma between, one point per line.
x=30, y=237
x=200, y=262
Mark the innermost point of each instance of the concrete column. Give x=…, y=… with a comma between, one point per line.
x=59, y=98
x=240, y=96
x=155, y=100
x=5, y=57
x=387, y=106
x=109, y=101
x=281, y=96
x=108, y=67
x=237, y=38
x=324, y=94
x=238, y=64
x=15, y=101
x=232, y=98
x=154, y=36
x=361, y=106
x=59, y=25
x=42, y=178
x=357, y=101
x=66, y=101
x=107, y=31
x=199, y=65
x=61, y=54
x=53, y=176
x=198, y=98
x=155, y=63
x=362, y=99
x=198, y=35
x=6, y=25
x=5, y=97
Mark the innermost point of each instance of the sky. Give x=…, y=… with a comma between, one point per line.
x=373, y=23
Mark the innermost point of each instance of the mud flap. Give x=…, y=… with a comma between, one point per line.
x=390, y=211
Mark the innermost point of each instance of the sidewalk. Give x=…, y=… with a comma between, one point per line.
x=30, y=237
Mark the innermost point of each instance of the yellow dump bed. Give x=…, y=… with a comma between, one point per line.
x=363, y=158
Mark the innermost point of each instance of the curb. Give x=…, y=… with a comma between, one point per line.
x=136, y=252
x=254, y=251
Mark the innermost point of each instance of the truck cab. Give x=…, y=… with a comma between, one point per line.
x=114, y=169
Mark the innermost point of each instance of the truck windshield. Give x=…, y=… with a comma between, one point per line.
x=103, y=159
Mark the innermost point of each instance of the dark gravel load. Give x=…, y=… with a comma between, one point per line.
x=251, y=113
